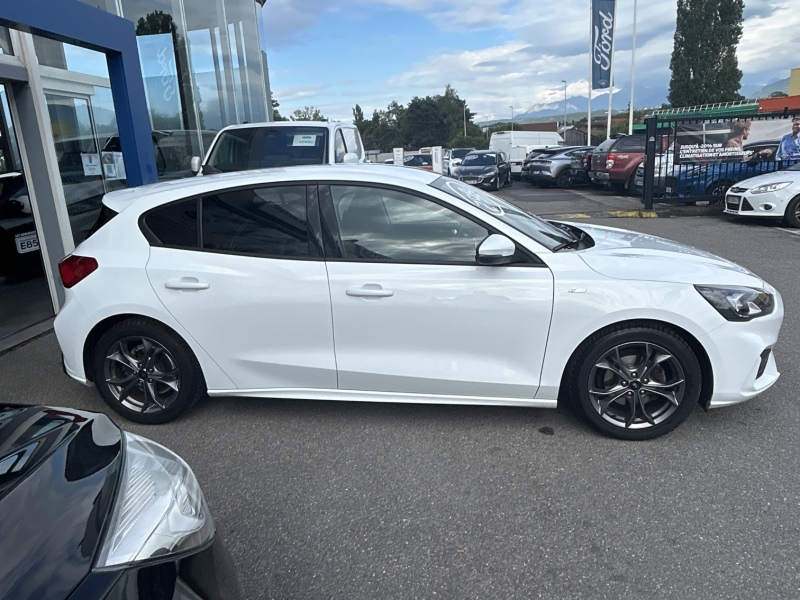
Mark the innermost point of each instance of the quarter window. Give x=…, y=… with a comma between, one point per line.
x=175, y=224
x=387, y=225
x=352, y=141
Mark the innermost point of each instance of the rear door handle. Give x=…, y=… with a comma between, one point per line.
x=186, y=283
x=369, y=292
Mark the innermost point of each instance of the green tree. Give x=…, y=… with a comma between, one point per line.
x=778, y=94
x=704, y=66
x=276, y=115
x=308, y=113
x=358, y=117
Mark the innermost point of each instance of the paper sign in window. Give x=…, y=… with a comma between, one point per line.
x=305, y=140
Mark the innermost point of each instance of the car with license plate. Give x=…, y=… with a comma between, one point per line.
x=775, y=195
x=614, y=162
x=486, y=168
x=398, y=285
x=91, y=512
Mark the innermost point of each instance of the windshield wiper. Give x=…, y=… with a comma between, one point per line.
x=572, y=243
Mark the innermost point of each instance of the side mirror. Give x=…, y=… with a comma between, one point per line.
x=351, y=158
x=496, y=250
x=196, y=164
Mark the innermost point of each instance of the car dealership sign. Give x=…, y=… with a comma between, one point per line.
x=603, y=15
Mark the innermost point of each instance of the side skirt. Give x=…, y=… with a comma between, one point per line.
x=361, y=396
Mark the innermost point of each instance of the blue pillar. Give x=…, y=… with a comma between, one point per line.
x=79, y=24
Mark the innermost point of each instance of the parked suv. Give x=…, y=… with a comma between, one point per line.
x=614, y=161
x=552, y=167
x=281, y=144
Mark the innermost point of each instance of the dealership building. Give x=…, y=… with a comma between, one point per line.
x=96, y=95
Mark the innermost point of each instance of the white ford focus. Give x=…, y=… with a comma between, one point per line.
x=772, y=195
x=397, y=285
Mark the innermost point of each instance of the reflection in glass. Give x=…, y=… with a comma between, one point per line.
x=5, y=41
x=78, y=161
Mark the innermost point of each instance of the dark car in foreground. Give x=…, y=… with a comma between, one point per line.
x=89, y=512
x=489, y=168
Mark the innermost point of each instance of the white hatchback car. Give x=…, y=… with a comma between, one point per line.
x=772, y=195
x=398, y=285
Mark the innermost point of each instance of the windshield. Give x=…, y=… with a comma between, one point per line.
x=247, y=148
x=547, y=234
x=461, y=152
x=479, y=160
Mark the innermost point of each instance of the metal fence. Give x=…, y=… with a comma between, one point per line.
x=691, y=159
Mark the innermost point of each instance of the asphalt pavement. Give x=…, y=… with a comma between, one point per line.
x=352, y=501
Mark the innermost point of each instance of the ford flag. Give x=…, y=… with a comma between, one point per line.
x=603, y=15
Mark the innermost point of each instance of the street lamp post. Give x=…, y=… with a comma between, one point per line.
x=512, y=125
x=465, y=118
x=564, y=81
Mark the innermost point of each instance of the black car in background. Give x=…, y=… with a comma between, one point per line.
x=19, y=244
x=489, y=168
x=89, y=512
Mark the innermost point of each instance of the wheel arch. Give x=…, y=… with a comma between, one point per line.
x=700, y=352
x=101, y=327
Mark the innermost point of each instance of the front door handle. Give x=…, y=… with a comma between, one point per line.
x=369, y=292
x=186, y=283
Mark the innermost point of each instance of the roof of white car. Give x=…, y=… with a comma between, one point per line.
x=324, y=124
x=176, y=189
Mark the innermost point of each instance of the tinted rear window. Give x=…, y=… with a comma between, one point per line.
x=259, y=147
x=605, y=146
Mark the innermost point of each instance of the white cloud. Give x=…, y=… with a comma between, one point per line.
x=544, y=43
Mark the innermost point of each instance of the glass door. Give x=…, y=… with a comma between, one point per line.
x=24, y=293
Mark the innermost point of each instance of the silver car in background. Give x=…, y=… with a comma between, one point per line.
x=552, y=166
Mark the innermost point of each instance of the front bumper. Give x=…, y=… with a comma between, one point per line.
x=770, y=204
x=736, y=351
x=478, y=179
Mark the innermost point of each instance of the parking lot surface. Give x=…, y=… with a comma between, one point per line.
x=349, y=500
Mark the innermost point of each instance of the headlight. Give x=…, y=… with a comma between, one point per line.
x=770, y=187
x=159, y=510
x=738, y=303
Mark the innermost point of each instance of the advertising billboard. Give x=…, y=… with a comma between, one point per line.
x=738, y=141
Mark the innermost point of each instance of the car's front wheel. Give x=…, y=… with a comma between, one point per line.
x=635, y=382
x=792, y=216
x=145, y=372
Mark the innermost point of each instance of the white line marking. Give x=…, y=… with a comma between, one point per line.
x=792, y=231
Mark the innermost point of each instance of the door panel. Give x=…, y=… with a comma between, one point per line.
x=440, y=329
x=266, y=322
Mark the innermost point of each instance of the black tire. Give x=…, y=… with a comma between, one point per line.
x=588, y=381
x=631, y=185
x=564, y=179
x=497, y=184
x=792, y=216
x=164, y=361
x=718, y=188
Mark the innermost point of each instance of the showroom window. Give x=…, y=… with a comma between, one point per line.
x=268, y=222
x=5, y=41
x=382, y=224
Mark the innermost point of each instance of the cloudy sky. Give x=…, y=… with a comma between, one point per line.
x=495, y=53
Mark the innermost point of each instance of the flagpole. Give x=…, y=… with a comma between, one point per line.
x=591, y=68
x=633, y=70
x=611, y=72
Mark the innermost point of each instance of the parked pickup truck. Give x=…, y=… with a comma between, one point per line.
x=614, y=162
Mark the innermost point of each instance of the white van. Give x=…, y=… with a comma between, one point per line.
x=518, y=144
x=280, y=144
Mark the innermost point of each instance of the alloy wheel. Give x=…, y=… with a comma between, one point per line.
x=636, y=385
x=142, y=374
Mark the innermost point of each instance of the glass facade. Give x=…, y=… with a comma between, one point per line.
x=5, y=41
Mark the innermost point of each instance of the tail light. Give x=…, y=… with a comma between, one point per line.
x=74, y=269
x=610, y=161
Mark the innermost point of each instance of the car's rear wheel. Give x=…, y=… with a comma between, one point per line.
x=564, y=179
x=635, y=382
x=145, y=372
x=792, y=216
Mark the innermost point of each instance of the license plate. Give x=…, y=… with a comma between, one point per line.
x=470, y=181
x=732, y=202
x=26, y=242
